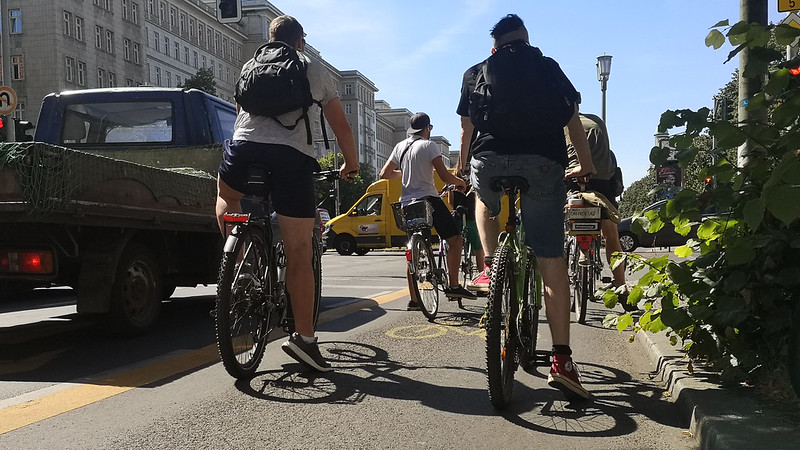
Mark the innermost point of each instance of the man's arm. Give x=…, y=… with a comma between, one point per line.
x=334, y=114
x=577, y=136
x=390, y=170
x=467, y=130
x=446, y=176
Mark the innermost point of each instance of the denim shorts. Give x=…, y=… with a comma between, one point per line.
x=542, y=205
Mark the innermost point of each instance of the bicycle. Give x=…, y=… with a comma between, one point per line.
x=516, y=293
x=428, y=270
x=252, y=299
x=467, y=266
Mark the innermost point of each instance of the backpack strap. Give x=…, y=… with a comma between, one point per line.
x=405, y=150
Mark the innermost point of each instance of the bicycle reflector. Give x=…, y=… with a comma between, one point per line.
x=39, y=262
x=235, y=217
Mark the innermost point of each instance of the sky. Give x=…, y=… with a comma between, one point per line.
x=416, y=53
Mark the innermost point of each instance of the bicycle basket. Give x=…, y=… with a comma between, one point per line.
x=415, y=215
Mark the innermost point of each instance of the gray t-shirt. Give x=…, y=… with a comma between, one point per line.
x=417, y=167
x=255, y=128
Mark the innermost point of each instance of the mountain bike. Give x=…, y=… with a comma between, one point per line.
x=582, y=249
x=516, y=294
x=252, y=299
x=428, y=269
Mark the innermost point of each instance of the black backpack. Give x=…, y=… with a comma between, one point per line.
x=517, y=95
x=275, y=82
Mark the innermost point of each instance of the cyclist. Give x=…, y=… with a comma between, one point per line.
x=542, y=163
x=413, y=160
x=289, y=159
x=605, y=163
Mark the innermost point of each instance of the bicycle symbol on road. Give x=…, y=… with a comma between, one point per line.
x=433, y=330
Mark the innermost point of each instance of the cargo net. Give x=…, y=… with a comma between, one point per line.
x=53, y=176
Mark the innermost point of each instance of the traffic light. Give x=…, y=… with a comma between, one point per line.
x=229, y=11
x=709, y=184
x=3, y=129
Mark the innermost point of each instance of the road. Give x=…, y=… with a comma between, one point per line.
x=399, y=381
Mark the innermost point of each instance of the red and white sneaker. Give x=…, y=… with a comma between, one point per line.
x=564, y=377
x=481, y=282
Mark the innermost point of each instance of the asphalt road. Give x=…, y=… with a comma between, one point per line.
x=399, y=381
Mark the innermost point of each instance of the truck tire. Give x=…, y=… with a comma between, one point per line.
x=137, y=291
x=345, y=245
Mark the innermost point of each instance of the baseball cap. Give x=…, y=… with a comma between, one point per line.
x=418, y=122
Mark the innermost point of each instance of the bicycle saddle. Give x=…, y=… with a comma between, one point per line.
x=503, y=183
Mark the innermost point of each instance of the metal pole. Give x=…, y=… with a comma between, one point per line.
x=336, y=181
x=603, y=85
x=751, y=11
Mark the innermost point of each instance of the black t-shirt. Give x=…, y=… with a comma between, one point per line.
x=551, y=146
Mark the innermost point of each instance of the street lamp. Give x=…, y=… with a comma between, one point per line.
x=603, y=71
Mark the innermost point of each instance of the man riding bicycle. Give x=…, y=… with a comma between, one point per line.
x=414, y=160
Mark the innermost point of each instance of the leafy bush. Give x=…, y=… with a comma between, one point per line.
x=730, y=299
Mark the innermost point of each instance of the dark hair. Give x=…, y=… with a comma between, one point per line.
x=507, y=24
x=286, y=29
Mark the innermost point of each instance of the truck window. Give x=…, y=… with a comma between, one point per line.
x=226, y=118
x=118, y=122
x=370, y=206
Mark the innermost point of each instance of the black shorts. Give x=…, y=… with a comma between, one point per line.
x=443, y=221
x=289, y=183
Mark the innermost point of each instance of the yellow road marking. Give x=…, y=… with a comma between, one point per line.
x=428, y=331
x=27, y=413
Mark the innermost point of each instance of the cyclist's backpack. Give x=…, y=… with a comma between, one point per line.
x=517, y=95
x=617, y=185
x=275, y=82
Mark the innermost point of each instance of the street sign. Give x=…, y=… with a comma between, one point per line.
x=791, y=19
x=8, y=100
x=788, y=5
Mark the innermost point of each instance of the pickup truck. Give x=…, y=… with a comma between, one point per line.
x=115, y=198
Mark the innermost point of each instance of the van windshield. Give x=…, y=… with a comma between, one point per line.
x=118, y=122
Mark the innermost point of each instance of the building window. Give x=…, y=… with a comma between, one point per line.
x=69, y=68
x=81, y=73
x=150, y=7
x=136, y=52
x=177, y=81
x=79, y=28
x=168, y=78
x=126, y=49
x=107, y=5
x=348, y=89
x=125, y=9
x=67, y=23
x=16, y=20
x=158, y=76
x=101, y=78
x=172, y=18
x=166, y=45
x=348, y=109
x=191, y=27
x=17, y=67
x=98, y=37
x=109, y=41
x=156, y=41
x=134, y=13
x=195, y=59
x=204, y=61
x=182, y=24
x=200, y=28
x=162, y=13
x=177, y=50
x=186, y=55
x=217, y=48
x=112, y=79
x=128, y=82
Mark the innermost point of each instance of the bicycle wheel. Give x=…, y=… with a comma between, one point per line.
x=425, y=276
x=467, y=265
x=529, y=319
x=583, y=286
x=316, y=264
x=501, y=339
x=241, y=316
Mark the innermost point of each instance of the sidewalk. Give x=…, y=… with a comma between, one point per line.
x=721, y=418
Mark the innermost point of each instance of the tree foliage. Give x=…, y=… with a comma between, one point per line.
x=202, y=80
x=732, y=297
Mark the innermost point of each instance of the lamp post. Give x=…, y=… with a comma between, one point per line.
x=603, y=72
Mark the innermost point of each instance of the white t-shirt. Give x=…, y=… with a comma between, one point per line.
x=417, y=167
x=255, y=128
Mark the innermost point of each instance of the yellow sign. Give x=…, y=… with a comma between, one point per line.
x=788, y=5
x=8, y=100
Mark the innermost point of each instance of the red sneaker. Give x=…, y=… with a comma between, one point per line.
x=564, y=377
x=481, y=282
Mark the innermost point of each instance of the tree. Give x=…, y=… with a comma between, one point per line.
x=202, y=80
x=349, y=193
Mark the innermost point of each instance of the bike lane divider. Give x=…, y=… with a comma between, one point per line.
x=28, y=409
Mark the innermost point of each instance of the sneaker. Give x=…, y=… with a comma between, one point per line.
x=412, y=306
x=564, y=377
x=459, y=292
x=481, y=282
x=306, y=354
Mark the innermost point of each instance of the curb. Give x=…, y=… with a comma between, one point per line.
x=720, y=418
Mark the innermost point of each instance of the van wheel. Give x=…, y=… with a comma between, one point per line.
x=346, y=245
x=362, y=251
x=137, y=292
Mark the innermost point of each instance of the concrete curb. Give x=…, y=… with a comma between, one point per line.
x=720, y=418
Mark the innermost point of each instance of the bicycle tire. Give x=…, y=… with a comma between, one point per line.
x=425, y=281
x=467, y=265
x=242, y=320
x=582, y=275
x=529, y=319
x=501, y=339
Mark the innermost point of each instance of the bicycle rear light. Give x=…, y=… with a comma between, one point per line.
x=235, y=217
x=39, y=262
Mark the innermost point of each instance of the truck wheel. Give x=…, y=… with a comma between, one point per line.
x=137, y=292
x=362, y=251
x=345, y=245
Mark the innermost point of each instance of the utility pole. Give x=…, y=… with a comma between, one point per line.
x=750, y=11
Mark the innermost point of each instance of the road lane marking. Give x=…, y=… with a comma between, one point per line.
x=69, y=397
x=429, y=331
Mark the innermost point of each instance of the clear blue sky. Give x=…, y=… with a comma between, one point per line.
x=417, y=51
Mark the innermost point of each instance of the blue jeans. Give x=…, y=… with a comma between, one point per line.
x=542, y=205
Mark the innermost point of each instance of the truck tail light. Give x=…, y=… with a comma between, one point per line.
x=39, y=262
